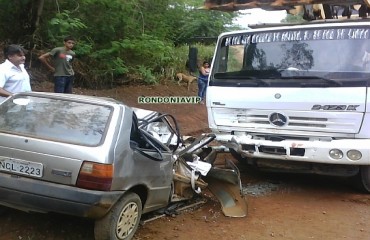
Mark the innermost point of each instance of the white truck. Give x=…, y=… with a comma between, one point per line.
x=295, y=97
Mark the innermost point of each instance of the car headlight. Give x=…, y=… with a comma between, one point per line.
x=336, y=154
x=354, y=155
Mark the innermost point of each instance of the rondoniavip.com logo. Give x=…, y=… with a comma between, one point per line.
x=169, y=99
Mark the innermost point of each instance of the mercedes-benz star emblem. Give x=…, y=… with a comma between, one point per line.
x=278, y=119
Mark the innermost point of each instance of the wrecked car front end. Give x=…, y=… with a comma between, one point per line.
x=195, y=166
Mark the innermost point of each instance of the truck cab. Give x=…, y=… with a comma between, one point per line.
x=295, y=97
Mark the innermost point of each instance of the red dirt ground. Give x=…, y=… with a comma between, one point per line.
x=298, y=207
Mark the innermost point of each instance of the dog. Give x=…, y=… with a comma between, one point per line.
x=185, y=78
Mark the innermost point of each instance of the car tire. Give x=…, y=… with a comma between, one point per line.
x=122, y=221
x=237, y=156
x=362, y=179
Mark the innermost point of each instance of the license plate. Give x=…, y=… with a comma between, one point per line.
x=21, y=167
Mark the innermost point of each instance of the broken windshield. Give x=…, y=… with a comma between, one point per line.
x=335, y=55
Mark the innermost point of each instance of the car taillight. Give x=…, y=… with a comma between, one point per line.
x=95, y=176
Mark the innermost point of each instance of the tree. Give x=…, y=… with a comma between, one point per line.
x=290, y=18
x=23, y=22
x=115, y=38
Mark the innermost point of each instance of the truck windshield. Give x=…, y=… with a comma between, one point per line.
x=307, y=57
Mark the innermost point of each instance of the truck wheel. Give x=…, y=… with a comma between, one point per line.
x=237, y=156
x=122, y=221
x=362, y=179
x=2, y=209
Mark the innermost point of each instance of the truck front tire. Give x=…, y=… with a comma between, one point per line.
x=2, y=210
x=362, y=179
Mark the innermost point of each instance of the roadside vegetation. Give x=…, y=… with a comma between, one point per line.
x=118, y=42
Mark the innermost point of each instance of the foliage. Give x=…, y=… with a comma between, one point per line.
x=290, y=18
x=141, y=40
x=146, y=74
x=201, y=23
x=205, y=53
x=63, y=25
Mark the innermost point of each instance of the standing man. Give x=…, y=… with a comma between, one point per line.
x=13, y=76
x=61, y=65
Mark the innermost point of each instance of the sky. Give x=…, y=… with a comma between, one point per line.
x=257, y=15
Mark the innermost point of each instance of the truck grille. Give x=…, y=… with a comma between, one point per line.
x=329, y=121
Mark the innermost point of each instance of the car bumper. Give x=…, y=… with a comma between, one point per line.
x=33, y=195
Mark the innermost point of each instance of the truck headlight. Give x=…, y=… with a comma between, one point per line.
x=354, y=155
x=336, y=154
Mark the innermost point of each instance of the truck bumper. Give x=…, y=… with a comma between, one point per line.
x=315, y=151
x=33, y=195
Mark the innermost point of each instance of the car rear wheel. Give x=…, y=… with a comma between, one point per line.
x=362, y=179
x=122, y=220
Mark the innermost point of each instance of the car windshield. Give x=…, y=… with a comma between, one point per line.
x=294, y=56
x=55, y=119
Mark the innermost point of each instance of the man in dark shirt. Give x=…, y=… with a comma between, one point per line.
x=61, y=65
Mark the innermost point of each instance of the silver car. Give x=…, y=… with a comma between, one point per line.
x=90, y=157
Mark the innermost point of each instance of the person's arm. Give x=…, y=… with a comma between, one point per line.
x=5, y=93
x=45, y=59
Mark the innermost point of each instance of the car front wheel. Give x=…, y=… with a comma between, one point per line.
x=122, y=220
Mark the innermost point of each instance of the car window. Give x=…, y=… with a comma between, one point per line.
x=55, y=119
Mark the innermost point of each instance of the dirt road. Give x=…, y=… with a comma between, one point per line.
x=280, y=206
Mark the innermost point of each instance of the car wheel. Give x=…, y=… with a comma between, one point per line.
x=122, y=220
x=237, y=156
x=362, y=179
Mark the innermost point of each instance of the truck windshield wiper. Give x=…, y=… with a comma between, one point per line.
x=247, y=81
x=257, y=81
x=261, y=74
x=308, y=84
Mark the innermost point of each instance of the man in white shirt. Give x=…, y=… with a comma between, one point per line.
x=13, y=76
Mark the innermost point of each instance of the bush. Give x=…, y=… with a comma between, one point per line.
x=146, y=60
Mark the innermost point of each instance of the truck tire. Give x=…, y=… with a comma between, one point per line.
x=238, y=157
x=362, y=179
x=122, y=221
x=2, y=210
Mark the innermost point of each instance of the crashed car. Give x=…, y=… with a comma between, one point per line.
x=98, y=158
